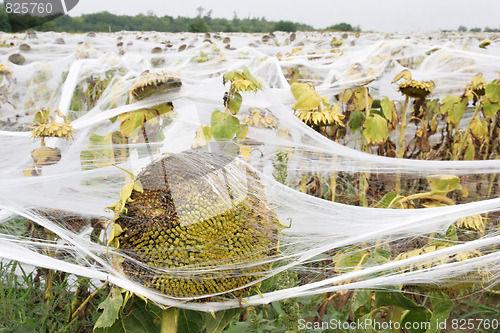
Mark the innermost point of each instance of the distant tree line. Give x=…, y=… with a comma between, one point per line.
x=463, y=28
x=343, y=27
x=203, y=22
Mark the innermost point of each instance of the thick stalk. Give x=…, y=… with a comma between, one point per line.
x=425, y=196
x=490, y=137
x=396, y=317
x=333, y=184
x=365, y=176
x=169, y=320
x=462, y=142
x=401, y=150
x=402, y=129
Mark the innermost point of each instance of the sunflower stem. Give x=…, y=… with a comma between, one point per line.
x=169, y=320
x=401, y=151
x=461, y=145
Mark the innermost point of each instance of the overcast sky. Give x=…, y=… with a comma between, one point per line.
x=377, y=15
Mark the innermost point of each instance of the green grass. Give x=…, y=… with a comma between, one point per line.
x=26, y=305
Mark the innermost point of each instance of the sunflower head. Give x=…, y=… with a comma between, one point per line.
x=448, y=283
x=416, y=89
x=198, y=225
x=476, y=88
x=413, y=88
x=149, y=84
x=45, y=125
x=322, y=117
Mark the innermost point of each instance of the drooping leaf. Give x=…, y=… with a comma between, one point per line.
x=454, y=107
x=346, y=96
x=235, y=103
x=202, y=138
x=361, y=298
x=441, y=184
x=386, y=200
x=387, y=110
x=111, y=309
x=441, y=308
x=219, y=320
x=384, y=298
x=492, y=92
x=448, y=102
x=347, y=261
x=163, y=109
x=242, y=132
x=405, y=74
x=375, y=129
x=306, y=96
x=125, y=193
x=144, y=318
x=470, y=153
x=190, y=321
x=224, y=126
x=416, y=320
x=231, y=76
x=479, y=128
x=242, y=81
x=362, y=99
x=490, y=108
x=298, y=89
x=251, y=77
x=41, y=116
x=355, y=120
x=130, y=121
x=100, y=152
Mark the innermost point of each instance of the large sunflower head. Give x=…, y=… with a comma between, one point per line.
x=198, y=224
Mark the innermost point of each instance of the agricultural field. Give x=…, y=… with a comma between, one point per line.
x=239, y=182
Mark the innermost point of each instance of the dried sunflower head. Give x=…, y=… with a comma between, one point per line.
x=52, y=129
x=476, y=88
x=416, y=89
x=261, y=118
x=413, y=88
x=149, y=84
x=448, y=283
x=198, y=225
x=45, y=125
x=324, y=117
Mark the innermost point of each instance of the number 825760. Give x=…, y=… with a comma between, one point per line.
x=28, y=8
